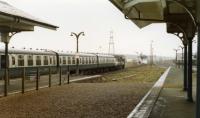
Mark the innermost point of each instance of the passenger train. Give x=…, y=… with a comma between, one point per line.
x=32, y=59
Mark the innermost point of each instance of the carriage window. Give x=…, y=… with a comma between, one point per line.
x=69, y=60
x=13, y=60
x=30, y=60
x=60, y=60
x=83, y=60
x=93, y=60
x=64, y=60
x=80, y=60
x=89, y=60
x=50, y=60
x=20, y=60
x=73, y=60
x=45, y=60
x=38, y=60
x=86, y=60
x=54, y=60
x=3, y=61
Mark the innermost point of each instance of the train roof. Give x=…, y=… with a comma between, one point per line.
x=29, y=52
x=51, y=52
x=106, y=55
x=80, y=54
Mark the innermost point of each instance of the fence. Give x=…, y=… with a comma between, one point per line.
x=26, y=79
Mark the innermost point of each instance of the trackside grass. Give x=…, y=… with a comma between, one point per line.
x=142, y=74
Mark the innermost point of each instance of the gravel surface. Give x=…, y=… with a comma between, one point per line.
x=78, y=100
x=111, y=100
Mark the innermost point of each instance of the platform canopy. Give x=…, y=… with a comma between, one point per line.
x=142, y=12
x=15, y=20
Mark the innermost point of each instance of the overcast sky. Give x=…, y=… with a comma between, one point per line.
x=96, y=18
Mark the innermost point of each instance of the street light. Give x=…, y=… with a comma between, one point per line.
x=182, y=48
x=77, y=48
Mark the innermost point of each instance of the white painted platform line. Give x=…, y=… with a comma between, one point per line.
x=86, y=78
x=145, y=106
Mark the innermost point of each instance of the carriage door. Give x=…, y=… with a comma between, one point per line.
x=3, y=62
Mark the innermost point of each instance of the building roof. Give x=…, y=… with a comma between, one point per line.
x=13, y=19
x=142, y=12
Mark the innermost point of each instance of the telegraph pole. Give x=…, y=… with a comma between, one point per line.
x=111, y=44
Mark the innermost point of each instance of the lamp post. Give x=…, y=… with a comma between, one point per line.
x=182, y=48
x=176, y=50
x=77, y=48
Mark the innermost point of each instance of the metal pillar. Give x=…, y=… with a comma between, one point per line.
x=49, y=76
x=37, y=78
x=77, y=66
x=23, y=78
x=6, y=38
x=198, y=76
x=185, y=68
x=60, y=76
x=182, y=48
x=189, y=89
x=198, y=60
x=6, y=70
x=68, y=74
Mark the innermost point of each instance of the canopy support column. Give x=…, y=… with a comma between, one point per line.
x=198, y=76
x=6, y=39
x=198, y=60
x=185, y=69
x=189, y=89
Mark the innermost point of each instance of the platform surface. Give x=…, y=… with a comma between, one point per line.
x=172, y=101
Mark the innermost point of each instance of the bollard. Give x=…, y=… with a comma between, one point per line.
x=60, y=76
x=49, y=76
x=23, y=79
x=37, y=79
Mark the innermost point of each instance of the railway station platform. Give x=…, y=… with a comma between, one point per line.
x=172, y=102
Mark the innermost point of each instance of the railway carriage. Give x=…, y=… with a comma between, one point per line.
x=43, y=59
